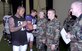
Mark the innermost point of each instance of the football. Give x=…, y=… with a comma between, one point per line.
x=29, y=26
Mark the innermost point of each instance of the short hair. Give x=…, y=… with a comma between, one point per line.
x=54, y=11
x=42, y=11
x=78, y=4
x=20, y=7
x=33, y=10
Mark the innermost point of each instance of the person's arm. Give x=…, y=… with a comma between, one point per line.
x=12, y=25
x=57, y=33
x=73, y=32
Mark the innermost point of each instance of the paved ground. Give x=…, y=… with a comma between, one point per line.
x=1, y=31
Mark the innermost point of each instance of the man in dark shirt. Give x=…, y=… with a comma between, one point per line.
x=17, y=25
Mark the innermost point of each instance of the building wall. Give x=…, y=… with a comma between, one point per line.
x=27, y=7
x=62, y=7
x=37, y=4
x=4, y=9
x=1, y=10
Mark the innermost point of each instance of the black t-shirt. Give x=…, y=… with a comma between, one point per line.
x=19, y=37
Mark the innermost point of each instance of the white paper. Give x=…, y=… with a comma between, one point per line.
x=64, y=36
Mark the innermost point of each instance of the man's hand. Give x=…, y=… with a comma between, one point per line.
x=68, y=35
x=53, y=47
x=56, y=30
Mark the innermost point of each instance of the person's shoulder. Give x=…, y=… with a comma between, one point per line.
x=12, y=17
x=56, y=20
x=6, y=16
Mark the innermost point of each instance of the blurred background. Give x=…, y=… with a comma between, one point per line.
x=9, y=6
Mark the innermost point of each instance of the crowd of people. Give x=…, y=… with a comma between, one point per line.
x=44, y=29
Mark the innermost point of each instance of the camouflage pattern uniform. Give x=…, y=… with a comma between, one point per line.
x=76, y=43
x=52, y=35
x=41, y=35
x=68, y=24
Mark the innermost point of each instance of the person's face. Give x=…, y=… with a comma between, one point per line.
x=34, y=14
x=21, y=12
x=74, y=9
x=51, y=14
x=41, y=15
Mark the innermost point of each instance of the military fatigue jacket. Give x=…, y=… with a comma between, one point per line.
x=41, y=26
x=68, y=23
x=77, y=30
x=52, y=32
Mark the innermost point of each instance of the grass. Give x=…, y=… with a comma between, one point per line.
x=4, y=46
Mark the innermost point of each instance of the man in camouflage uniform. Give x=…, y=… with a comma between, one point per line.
x=52, y=31
x=76, y=33
x=68, y=24
x=41, y=35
